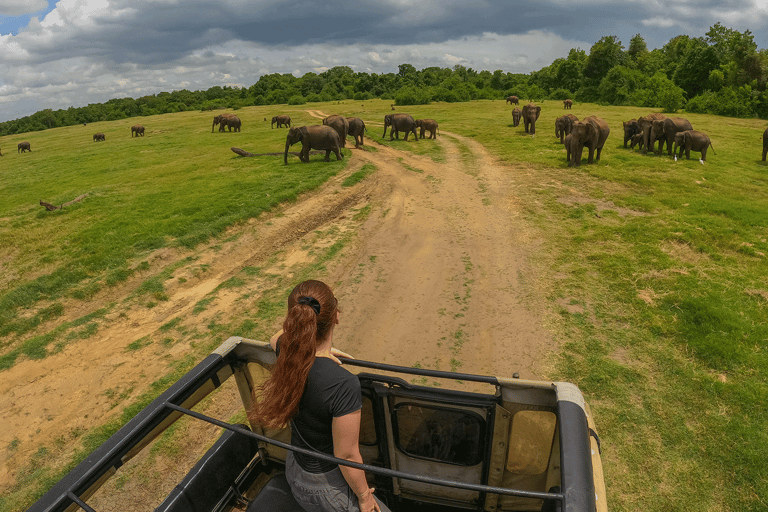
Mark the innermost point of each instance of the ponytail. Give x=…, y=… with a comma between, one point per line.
x=311, y=313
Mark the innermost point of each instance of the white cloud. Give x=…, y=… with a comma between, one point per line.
x=21, y=7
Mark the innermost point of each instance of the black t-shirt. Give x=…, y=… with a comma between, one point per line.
x=331, y=391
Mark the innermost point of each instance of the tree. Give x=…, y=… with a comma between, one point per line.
x=637, y=48
x=605, y=54
x=620, y=84
x=693, y=71
x=570, y=72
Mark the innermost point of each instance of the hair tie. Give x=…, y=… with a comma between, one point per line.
x=311, y=302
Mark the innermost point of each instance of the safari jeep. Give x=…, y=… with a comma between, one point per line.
x=522, y=446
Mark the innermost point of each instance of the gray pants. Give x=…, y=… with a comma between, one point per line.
x=321, y=492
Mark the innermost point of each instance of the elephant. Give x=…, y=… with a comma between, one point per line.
x=531, y=113
x=137, y=129
x=356, y=129
x=645, y=124
x=567, y=104
x=637, y=139
x=98, y=136
x=512, y=99
x=427, y=125
x=340, y=124
x=399, y=123
x=693, y=140
x=592, y=132
x=664, y=131
x=24, y=147
x=765, y=143
x=568, y=145
x=1, y=152
x=630, y=128
x=313, y=137
x=281, y=120
x=227, y=120
x=563, y=125
x=516, y=115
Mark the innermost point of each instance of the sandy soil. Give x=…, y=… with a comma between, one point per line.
x=437, y=276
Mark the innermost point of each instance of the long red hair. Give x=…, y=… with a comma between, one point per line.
x=306, y=326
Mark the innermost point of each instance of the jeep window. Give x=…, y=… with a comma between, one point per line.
x=445, y=435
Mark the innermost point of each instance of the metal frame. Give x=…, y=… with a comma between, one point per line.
x=71, y=492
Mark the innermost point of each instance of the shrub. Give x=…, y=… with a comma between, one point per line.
x=560, y=94
x=297, y=99
x=411, y=96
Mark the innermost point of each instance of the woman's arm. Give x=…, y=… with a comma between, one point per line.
x=346, y=436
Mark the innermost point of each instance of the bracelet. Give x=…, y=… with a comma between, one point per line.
x=366, y=493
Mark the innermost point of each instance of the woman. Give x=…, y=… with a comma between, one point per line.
x=322, y=401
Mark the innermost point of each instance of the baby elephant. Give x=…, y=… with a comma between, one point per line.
x=693, y=140
x=637, y=139
x=24, y=147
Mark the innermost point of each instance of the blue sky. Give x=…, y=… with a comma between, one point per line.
x=74, y=52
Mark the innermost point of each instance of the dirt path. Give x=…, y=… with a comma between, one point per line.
x=437, y=278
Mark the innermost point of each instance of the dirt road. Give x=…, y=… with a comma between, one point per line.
x=437, y=276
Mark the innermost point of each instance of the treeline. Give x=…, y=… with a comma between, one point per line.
x=722, y=73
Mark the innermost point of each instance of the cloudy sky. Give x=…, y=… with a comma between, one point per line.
x=74, y=52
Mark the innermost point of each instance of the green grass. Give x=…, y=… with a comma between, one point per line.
x=177, y=186
x=665, y=261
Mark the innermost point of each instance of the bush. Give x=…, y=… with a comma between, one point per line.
x=360, y=96
x=411, y=96
x=729, y=101
x=298, y=99
x=560, y=94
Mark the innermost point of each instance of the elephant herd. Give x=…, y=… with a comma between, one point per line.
x=332, y=134
x=329, y=136
x=592, y=132
x=675, y=132
x=407, y=124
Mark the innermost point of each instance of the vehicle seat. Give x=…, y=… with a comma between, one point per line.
x=214, y=475
x=275, y=496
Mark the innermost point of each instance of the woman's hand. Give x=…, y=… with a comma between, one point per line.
x=336, y=354
x=367, y=502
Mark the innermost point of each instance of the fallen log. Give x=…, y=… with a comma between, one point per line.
x=242, y=152
x=50, y=207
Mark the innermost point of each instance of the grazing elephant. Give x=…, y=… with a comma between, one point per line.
x=693, y=140
x=227, y=120
x=281, y=120
x=340, y=124
x=645, y=124
x=512, y=99
x=637, y=139
x=137, y=129
x=98, y=136
x=664, y=131
x=531, y=113
x=356, y=129
x=765, y=143
x=563, y=125
x=630, y=128
x=313, y=137
x=24, y=147
x=399, y=123
x=567, y=104
x=592, y=133
x=516, y=115
x=427, y=125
